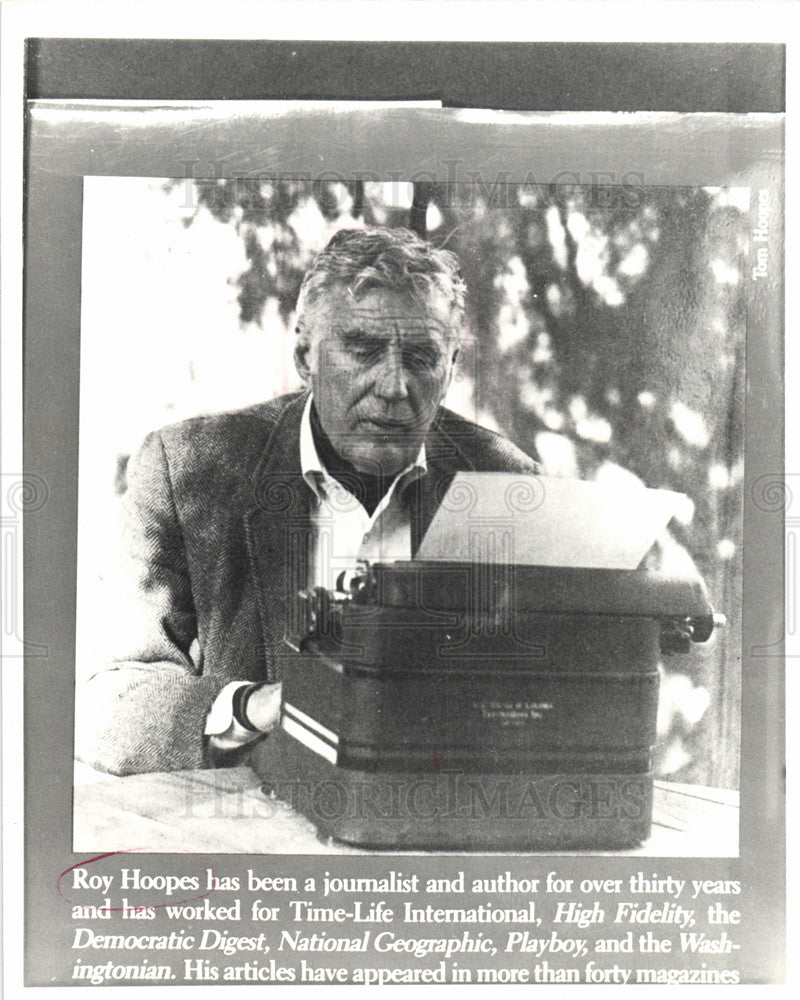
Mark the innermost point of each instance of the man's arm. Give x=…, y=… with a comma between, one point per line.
x=145, y=710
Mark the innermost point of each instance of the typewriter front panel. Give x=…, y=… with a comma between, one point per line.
x=556, y=693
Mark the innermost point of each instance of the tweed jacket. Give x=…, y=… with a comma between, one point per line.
x=217, y=529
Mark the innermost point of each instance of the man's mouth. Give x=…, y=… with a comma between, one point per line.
x=387, y=426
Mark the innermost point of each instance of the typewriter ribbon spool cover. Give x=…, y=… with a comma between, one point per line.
x=500, y=690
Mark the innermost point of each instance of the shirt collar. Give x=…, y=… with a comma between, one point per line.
x=317, y=476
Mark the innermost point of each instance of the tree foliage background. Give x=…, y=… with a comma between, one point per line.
x=606, y=337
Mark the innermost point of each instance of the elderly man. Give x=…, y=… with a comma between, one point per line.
x=229, y=515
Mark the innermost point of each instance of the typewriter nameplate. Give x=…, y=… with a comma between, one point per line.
x=512, y=714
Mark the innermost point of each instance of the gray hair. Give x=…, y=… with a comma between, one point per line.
x=396, y=259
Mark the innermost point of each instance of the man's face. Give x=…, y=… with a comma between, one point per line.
x=379, y=366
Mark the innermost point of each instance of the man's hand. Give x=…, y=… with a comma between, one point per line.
x=264, y=707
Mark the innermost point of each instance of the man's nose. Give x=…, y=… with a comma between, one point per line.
x=391, y=382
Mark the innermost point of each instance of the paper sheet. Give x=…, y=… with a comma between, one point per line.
x=538, y=521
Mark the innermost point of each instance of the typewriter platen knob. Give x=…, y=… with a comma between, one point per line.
x=351, y=583
x=704, y=625
x=348, y=581
x=678, y=634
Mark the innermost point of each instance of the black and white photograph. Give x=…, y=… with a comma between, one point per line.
x=403, y=511
x=547, y=337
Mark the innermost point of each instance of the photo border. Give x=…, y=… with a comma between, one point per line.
x=742, y=21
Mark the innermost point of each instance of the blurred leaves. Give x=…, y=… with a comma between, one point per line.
x=266, y=216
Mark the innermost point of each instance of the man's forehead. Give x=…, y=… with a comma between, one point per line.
x=384, y=312
x=386, y=324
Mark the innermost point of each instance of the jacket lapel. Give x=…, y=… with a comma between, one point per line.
x=444, y=459
x=277, y=529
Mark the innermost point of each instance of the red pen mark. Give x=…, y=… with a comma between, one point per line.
x=438, y=758
x=119, y=909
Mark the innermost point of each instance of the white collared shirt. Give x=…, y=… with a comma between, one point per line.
x=343, y=534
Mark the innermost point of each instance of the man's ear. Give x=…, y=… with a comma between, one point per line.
x=452, y=366
x=302, y=352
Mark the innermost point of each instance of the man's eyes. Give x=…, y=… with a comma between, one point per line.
x=415, y=358
x=366, y=352
x=420, y=358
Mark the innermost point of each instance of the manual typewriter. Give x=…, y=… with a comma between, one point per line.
x=479, y=704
